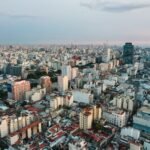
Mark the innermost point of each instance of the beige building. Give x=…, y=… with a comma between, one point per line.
x=97, y=112
x=57, y=101
x=135, y=146
x=4, y=130
x=87, y=116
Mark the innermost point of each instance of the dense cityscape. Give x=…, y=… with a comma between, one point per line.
x=75, y=97
x=74, y=75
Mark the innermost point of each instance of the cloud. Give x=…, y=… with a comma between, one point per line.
x=18, y=16
x=116, y=5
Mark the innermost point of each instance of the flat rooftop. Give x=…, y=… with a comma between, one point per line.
x=145, y=109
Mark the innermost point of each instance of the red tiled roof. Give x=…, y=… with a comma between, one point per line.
x=25, y=128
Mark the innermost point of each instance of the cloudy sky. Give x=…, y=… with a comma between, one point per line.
x=74, y=21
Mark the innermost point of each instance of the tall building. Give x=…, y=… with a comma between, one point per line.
x=107, y=55
x=56, y=102
x=66, y=71
x=86, y=118
x=88, y=115
x=97, y=112
x=46, y=83
x=19, y=88
x=128, y=51
x=74, y=72
x=3, y=126
x=63, y=83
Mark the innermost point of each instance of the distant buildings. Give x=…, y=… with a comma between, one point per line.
x=107, y=55
x=4, y=126
x=11, y=69
x=128, y=51
x=92, y=105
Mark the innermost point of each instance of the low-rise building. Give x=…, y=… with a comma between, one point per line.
x=84, y=96
x=141, y=120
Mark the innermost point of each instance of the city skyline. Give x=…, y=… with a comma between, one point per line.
x=80, y=21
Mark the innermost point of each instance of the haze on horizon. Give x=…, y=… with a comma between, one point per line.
x=74, y=21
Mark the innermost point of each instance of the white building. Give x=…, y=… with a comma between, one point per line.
x=35, y=94
x=84, y=96
x=66, y=71
x=4, y=130
x=74, y=72
x=131, y=132
x=62, y=83
x=107, y=55
x=124, y=102
x=116, y=117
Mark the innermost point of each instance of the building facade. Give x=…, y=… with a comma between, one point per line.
x=19, y=88
x=128, y=51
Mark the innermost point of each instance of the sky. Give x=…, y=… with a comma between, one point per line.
x=74, y=21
